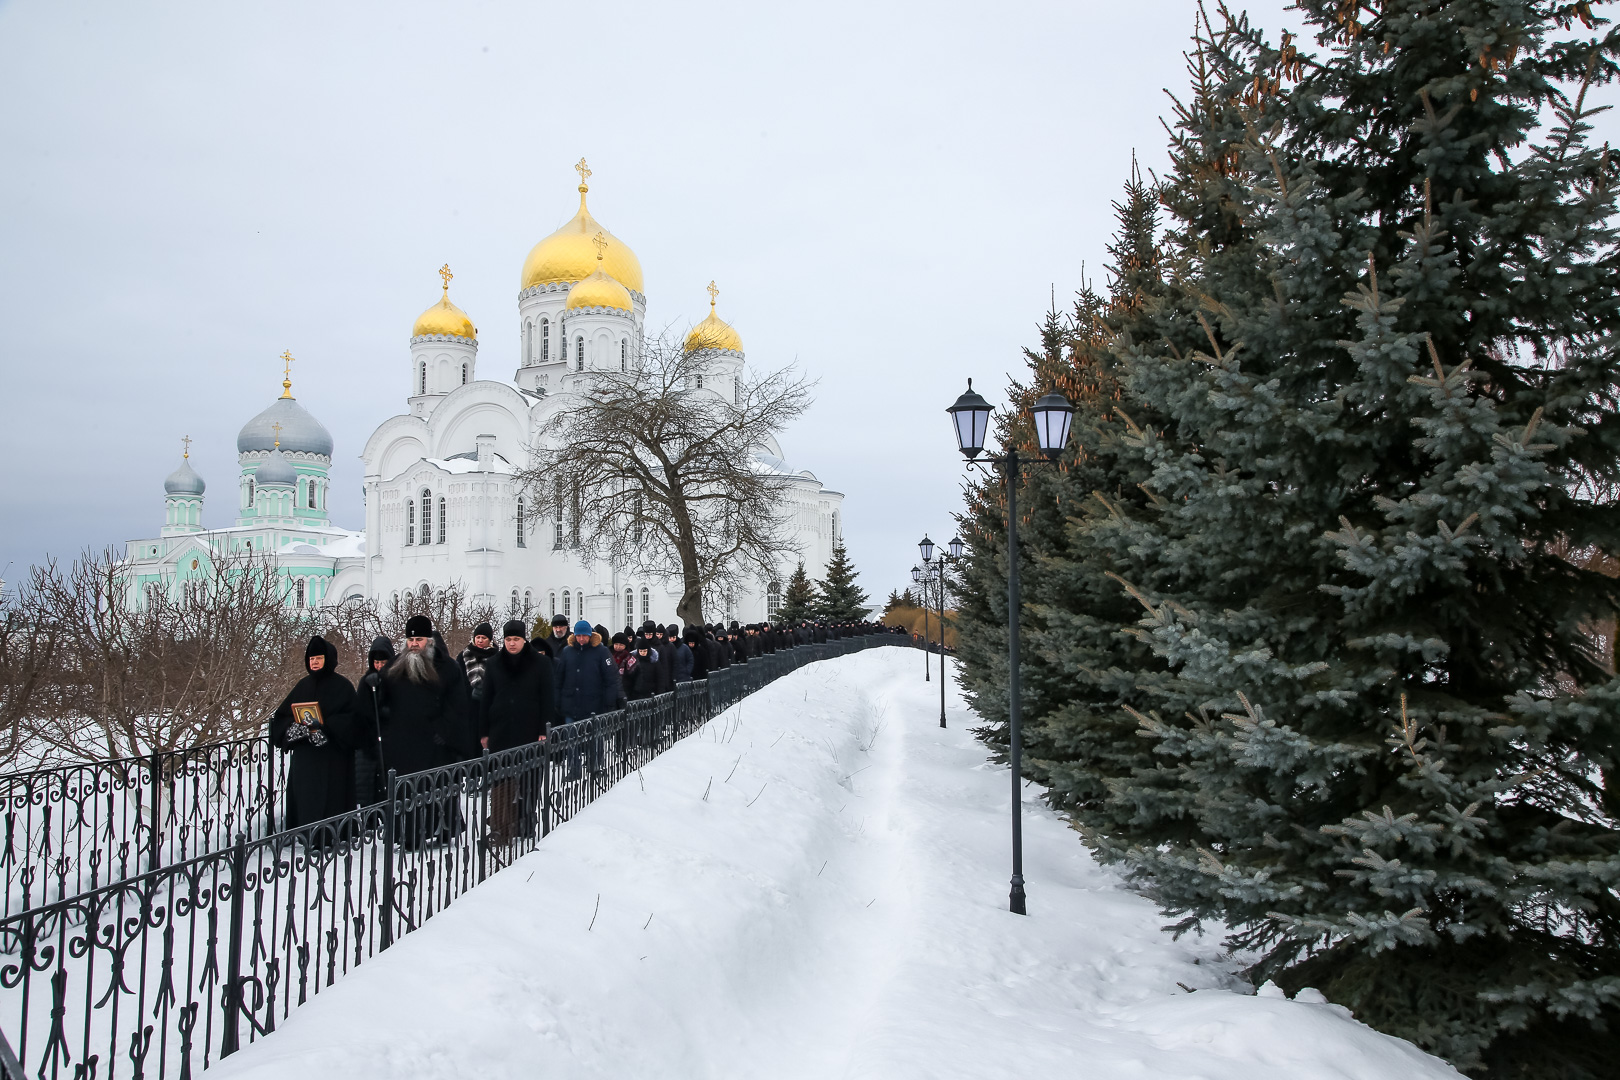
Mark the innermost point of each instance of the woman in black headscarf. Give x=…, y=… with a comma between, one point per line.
x=316, y=725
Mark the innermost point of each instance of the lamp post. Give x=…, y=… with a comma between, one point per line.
x=936, y=573
x=970, y=416
x=917, y=579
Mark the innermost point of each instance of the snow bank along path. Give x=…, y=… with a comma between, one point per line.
x=812, y=886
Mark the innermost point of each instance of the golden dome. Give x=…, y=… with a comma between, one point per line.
x=713, y=332
x=566, y=254
x=599, y=289
x=444, y=317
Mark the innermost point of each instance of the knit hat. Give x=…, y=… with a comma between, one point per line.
x=485, y=629
x=514, y=628
x=559, y=620
x=583, y=628
x=621, y=639
x=419, y=626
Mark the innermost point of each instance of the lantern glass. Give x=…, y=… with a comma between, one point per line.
x=971, y=418
x=916, y=573
x=926, y=546
x=1053, y=415
x=956, y=547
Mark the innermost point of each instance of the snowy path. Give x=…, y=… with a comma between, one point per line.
x=835, y=907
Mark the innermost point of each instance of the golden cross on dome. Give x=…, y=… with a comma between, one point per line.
x=714, y=294
x=286, y=372
x=186, y=439
x=584, y=173
x=444, y=273
x=277, y=428
x=601, y=243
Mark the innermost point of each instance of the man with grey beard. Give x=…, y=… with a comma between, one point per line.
x=425, y=704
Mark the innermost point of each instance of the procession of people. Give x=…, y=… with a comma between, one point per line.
x=420, y=707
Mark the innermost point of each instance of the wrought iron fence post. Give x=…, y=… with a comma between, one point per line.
x=484, y=782
x=230, y=1041
x=545, y=786
x=154, y=854
x=386, y=934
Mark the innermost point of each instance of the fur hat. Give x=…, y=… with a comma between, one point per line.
x=419, y=626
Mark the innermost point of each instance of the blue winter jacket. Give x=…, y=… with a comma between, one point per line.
x=587, y=682
x=683, y=662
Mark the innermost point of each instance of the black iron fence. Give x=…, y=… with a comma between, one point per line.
x=163, y=971
x=71, y=828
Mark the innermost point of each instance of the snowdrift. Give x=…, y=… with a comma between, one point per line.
x=813, y=886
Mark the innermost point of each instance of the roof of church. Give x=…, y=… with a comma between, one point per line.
x=184, y=481
x=300, y=432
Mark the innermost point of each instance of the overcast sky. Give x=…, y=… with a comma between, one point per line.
x=886, y=195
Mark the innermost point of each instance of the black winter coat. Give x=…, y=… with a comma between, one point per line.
x=425, y=725
x=681, y=662
x=641, y=677
x=520, y=699
x=587, y=682
x=700, y=658
x=320, y=779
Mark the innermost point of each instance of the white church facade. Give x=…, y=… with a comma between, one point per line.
x=442, y=502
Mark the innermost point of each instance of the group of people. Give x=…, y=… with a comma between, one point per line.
x=423, y=707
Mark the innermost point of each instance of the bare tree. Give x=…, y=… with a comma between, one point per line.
x=659, y=475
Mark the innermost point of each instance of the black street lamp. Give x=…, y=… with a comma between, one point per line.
x=970, y=416
x=917, y=578
x=936, y=574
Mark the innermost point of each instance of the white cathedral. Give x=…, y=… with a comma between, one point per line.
x=443, y=505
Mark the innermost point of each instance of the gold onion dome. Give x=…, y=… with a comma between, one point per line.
x=444, y=317
x=598, y=290
x=713, y=332
x=567, y=254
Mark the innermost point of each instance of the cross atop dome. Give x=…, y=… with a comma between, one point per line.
x=601, y=243
x=446, y=275
x=584, y=175
x=276, y=427
x=714, y=294
x=186, y=441
x=287, y=359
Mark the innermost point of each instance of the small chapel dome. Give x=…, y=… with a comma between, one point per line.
x=714, y=332
x=599, y=291
x=184, y=481
x=276, y=471
x=567, y=255
x=444, y=317
x=299, y=432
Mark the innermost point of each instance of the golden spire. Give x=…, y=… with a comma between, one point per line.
x=584, y=175
x=277, y=427
x=286, y=372
x=714, y=294
x=601, y=243
x=186, y=439
x=446, y=275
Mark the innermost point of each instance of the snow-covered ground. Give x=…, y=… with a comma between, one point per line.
x=813, y=886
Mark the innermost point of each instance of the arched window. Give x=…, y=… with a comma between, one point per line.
x=528, y=602
x=250, y=493
x=463, y=374
x=298, y=593
x=736, y=390
x=629, y=607
x=410, y=522
x=567, y=613
x=835, y=524
x=441, y=519
x=646, y=603
x=700, y=382
x=520, y=522
x=773, y=599
x=421, y=378
x=310, y=500
x=528, y=342
x=427, y=516
x=624, y=354
x=545, y=339
x=635, y=523
x=579, y=354
x=551, y=601
x=513, y=610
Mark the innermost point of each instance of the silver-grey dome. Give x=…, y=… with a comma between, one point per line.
x=276, y=470
x=184, y=481
x=300, y=432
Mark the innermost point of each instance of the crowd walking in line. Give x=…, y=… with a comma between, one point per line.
x=421, y=707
